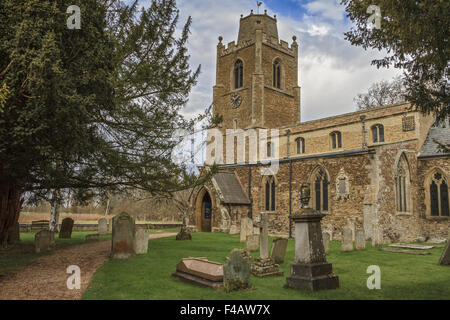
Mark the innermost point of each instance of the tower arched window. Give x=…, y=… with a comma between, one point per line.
x=277, y=74
x=300, y=145
x=269, y=187
x=238, y=74
x=270, y=149
x=336, y=140
x=438, y=195
x=378, y=133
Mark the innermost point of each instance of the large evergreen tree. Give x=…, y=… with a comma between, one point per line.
x=415, y=34
x=90, y=109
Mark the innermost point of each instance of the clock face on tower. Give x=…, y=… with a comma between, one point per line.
x=236, y=100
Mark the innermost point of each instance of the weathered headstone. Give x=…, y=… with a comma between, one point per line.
x=347, y=242
x=360, y=240
x=246, y=228
x=326, y=241
x=377, y=235
x=252, y=243
x=311, y=271
x=200, y=271
x=233, y=229
x=236, y=271
x=123, y=236
x=264, y=266
x=445, y=257
x=66, y=228
x=141, y=243
x=44, y=240
x=278, y=250
x=102, y=226
x=92, y=237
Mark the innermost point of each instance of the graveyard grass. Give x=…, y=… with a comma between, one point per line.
x=16, y=257
x=149, y=276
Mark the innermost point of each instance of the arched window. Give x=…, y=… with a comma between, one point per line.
x=300, y=145
x=238, y=74
x=277, y=74
x=336, y=140
x=438, y=195
x=378, y=133
x=402, y=185
x=270, y=150
x=270, y=194
x=320, y=195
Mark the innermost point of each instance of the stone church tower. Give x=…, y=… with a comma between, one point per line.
x=257, y=78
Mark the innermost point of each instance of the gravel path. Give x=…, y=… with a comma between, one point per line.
x=46, y=278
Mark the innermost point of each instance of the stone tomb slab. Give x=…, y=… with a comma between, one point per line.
x=421, y=253
x=411, y=246
x=445, y=257
x=200, y=271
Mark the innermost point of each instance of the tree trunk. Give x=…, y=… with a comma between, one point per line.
x=10, y=205
x=54, y=211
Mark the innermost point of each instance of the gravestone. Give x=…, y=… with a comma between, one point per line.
x=236, y=271
x=66, y=228
x=92, y=237
x=377, y=235
x=264, y=266
x=141, y=243
x=310, y=271
x=252, y=243
x=278, y=251
x=44, y=240
x=200, y=271
x=14, y=234
x=347, y=242
x=360, y=240
x=326, y=241
x=246, y=228
x=102, y=226
x=123, y=236
x=233, y=229
x=445, y=257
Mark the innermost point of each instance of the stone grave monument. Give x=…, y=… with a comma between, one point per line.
x=66, y=228
x=200, y=271
x=44, y=240
x=141, y=243
x=236, y=271
x=264, y=265
x=252, y=243
x=360, y=240
x=310, y=271
x=347, y=241
x=278, y=250
x=123, y=236
x=445, y=257
x=246, y=228
x=102, y=226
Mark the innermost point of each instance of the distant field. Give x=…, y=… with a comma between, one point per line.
x=28, y=217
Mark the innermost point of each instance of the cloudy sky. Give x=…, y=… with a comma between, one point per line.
x=331, y=71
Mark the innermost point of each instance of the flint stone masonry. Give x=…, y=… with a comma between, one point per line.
x=141, y=244
x=123, y=237
x=66, y=228
x=252, y=243
x=278, y=250
x=44, y=240
x=360, y=240
x=200, y=271
x=326, y=241
x=236, y=271
x=102, y=226
x=347, y=242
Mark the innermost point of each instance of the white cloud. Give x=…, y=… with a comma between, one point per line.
x=332, y=72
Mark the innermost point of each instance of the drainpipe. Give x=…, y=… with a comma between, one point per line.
x=250, y=211
x=290, y=199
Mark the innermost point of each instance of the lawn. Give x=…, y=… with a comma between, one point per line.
x=149, y=276
x=19, y=256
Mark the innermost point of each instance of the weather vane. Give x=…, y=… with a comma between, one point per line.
x=258, y=3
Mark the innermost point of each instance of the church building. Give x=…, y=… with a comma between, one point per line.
x=379, y=170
